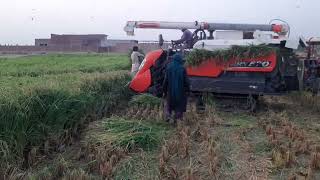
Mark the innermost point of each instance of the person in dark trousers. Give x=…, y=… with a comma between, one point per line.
x=186, y=39
x=176, y=87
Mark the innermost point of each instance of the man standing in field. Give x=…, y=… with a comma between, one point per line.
x=186, y=39
x=135, y=60
x=175, y=87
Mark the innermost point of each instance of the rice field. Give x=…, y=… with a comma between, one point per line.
x=76, y=119
x=46, y=99
x=22, y=74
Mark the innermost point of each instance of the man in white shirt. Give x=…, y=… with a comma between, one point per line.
x=135, y=60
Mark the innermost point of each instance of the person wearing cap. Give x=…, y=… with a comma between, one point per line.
x=186, y=38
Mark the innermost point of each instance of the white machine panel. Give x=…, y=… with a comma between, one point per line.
x=228, y=35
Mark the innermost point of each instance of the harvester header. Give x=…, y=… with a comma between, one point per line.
x=277, y=28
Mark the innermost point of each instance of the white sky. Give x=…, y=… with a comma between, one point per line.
x=21, y=21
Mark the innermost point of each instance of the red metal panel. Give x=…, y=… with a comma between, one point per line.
x=142, y=81
x=272, y=59
x=208, y=69
x=213, y=69
x=277, y=28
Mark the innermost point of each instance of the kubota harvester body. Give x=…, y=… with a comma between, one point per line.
x=274, y=73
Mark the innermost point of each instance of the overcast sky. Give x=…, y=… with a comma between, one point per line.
x=21, y=21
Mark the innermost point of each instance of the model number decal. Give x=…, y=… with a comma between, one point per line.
x=261, y=64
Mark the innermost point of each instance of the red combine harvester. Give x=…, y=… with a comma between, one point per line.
x=274, y=74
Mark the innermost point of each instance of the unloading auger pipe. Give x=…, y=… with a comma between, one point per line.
x=131, y=25
x=240, y=27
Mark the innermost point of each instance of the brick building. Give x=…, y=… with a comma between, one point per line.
x=42, y=42
x=72, y=42
x=120, y=46
x=80, y=43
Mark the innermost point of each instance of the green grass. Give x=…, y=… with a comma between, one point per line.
x=258, y=138
x=145, y=100
x=239, y=120
x=141, y=139
x=139, y=166
x=60, y=168
x=131, y=134
x=48, y=97
x=39, y=65
x=137, y=134
x=128, y=134
x=21, y=75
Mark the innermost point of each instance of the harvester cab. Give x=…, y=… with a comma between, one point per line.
x=243, y=60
